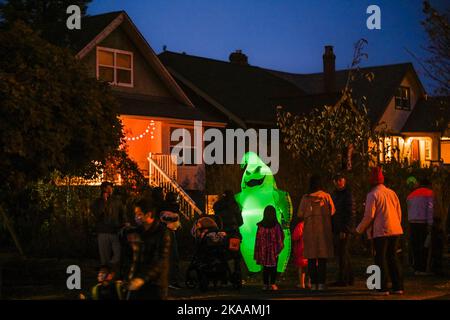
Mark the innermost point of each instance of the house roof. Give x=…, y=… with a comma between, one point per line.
x=143, y=105
x=378, y=92
x=252, y=93
x=301, y=105
x=91, y=26
x=429, y=115
x=96, y=28
x=244, y=91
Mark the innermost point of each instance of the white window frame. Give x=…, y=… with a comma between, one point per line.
x=408, y=90
x=193, y=147
x=115, y=67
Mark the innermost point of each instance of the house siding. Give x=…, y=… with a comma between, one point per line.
x=394, y=119
x=145, y=80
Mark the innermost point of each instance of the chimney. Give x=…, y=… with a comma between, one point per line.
x=329, y=70
x=239, y=58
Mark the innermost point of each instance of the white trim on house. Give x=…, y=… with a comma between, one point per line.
x=115, y=67
x=100, y=37
x=205, y=96
x=148, y=53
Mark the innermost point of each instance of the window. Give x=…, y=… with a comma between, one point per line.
x=445, y=151
x=115, y=66
x=427, y=149
x=189, y=147
x=402, y=99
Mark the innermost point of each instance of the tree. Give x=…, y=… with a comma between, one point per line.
x=437, y=65
x=46, y=17
x=323, y=139
x=53, y=114
x=119, y=163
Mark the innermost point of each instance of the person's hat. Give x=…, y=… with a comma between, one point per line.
x=338, y=176
x=376, y=176
x=411, y=181
x=207, y=223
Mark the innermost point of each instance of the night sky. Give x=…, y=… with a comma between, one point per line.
x=286, y=35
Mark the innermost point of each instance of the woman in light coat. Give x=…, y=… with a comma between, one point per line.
x=316, y=209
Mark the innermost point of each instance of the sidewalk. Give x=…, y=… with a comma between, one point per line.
x=416, y=289
x=45, y=279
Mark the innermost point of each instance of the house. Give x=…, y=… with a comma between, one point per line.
x=151, y=103
x=429, y=125
x=158, y=94
x=249, y=95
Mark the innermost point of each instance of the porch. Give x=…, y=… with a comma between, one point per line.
x=425, y=149
x=148, y=143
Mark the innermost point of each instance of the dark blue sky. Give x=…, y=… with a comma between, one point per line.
x=285, y=35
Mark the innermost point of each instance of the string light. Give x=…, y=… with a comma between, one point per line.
x=149, y=130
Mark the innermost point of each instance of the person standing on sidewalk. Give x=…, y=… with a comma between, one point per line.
x=268, y=245
x=229, y=216
x=420, y=217
x=343, y=226
x=170, y=216
x=382, y=221
x=316, y=209
x=110, y=216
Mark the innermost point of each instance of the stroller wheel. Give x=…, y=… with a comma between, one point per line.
x=191, y=279
x=190, y=283
x=236, y=281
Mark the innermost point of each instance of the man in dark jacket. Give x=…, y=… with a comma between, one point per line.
x=110, y=216
x=343, y=223
x=170, y=216
x=228, y=213
x=149, y=272
x=229, y=217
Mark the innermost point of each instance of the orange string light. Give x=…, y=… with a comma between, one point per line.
x=149, y=130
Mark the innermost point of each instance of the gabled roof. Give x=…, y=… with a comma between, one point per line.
x=252, y=93
x=95, y=29
x=244, y=91
x=302, y=105
x=378, y=92
x=91, y=26
x=429, y=115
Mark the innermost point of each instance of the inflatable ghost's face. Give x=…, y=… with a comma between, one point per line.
x=257, y=174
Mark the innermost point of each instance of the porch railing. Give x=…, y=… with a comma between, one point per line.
x=160, y=178
x=167, y=163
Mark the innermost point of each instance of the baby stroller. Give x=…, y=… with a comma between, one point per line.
x=209, y=263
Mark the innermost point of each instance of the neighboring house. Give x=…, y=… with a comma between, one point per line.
x=427, y=131
x=249, y=95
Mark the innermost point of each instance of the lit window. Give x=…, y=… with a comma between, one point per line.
x=402, y=99
x=427, y=150
x=115, y=66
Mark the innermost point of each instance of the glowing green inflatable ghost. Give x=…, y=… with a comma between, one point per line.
x=259, y=190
